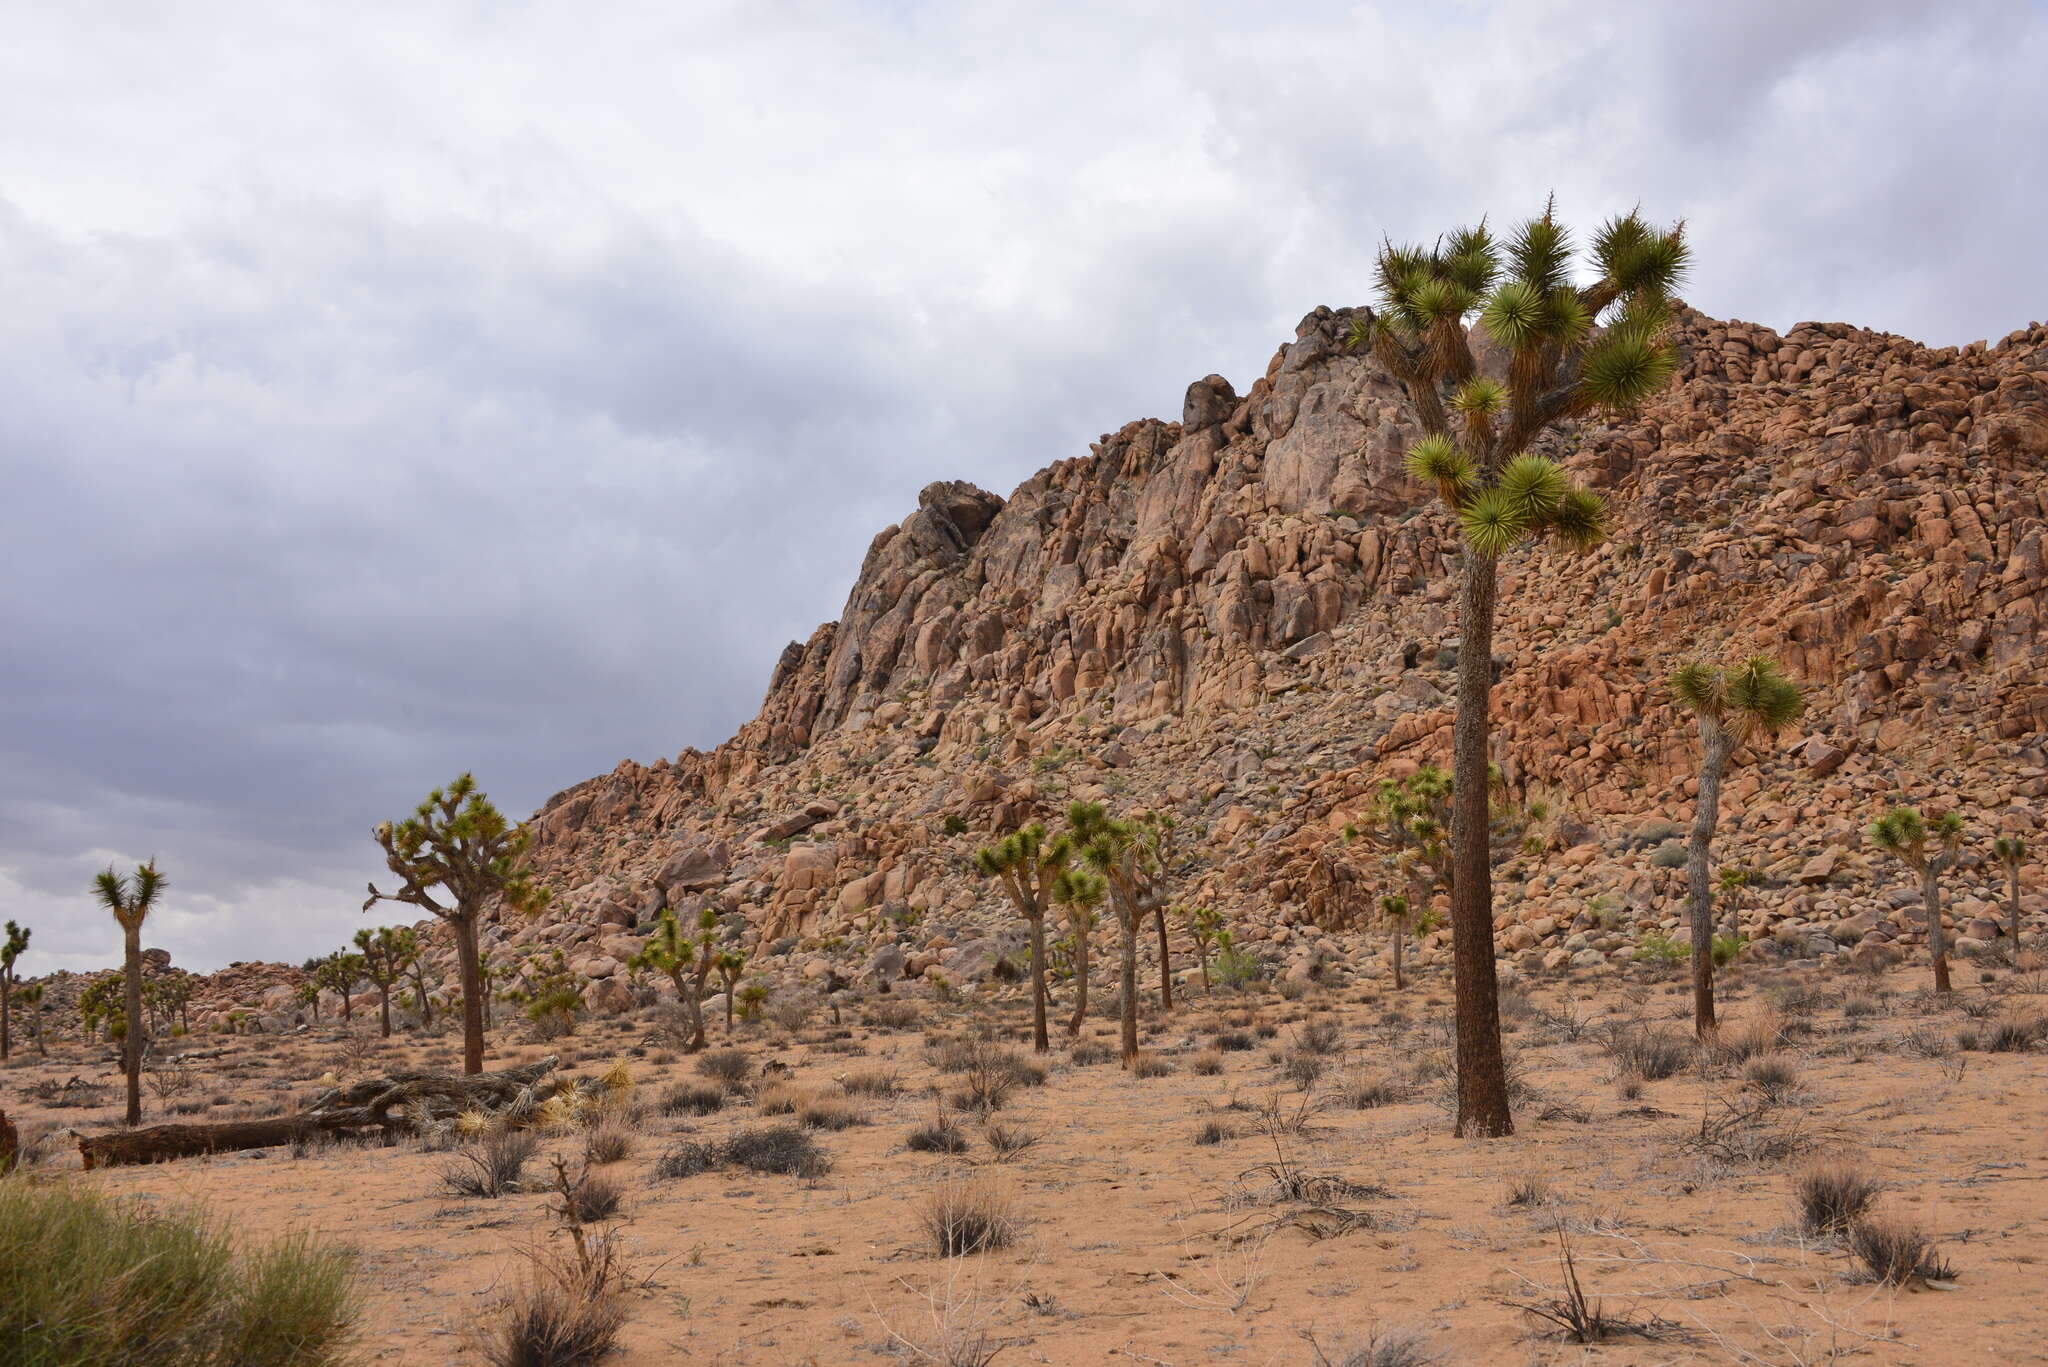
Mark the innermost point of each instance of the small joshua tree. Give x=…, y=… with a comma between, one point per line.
x=1926, y=847
x=730, y=963
x=1734, y=706
x=30, y=995
x=308, y=996
x=1477, y=431
x=550, y=996
x=458, y=842
x=339, y=972
x=686, y=960
x=12, y=946
x=1734, y=882
x=384, y=954
x=1203, y=925
x=1028, y=864
x=130, y=899
x=1079, y=891
x=1127, y=855
x=1399, y=919
x=2011, y=851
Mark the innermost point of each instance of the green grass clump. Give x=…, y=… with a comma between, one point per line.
x=86, y=1280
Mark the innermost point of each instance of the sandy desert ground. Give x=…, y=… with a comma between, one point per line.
x=1286, y=1188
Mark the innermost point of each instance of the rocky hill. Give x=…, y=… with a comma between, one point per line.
x=1245, y=617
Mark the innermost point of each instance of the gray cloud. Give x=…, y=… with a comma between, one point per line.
x=388, y=395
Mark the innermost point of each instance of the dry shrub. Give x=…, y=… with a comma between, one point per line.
x=1895, y=1253
x=829, y=1113
x=875, y=1082
x=589, y=1200
x=1649, y=1053
x=781, y=1098
x=965, y=1218
x=1234, y=1041
x=1832, y=1195
x=609, y=1142
x=1365, y=1094
x=729, y=1066
x=1006, y=1142
x=491, y=1168
x=692, y=1098
x=896, y=1015
x=941, y=1136
x=1208, y=1063
x=1772, y=1077
x=1089, y=1052
x=1303, y=1070
x=1400, y=1347
x=781, y=1149
x=686, y=1159
x=2015, y=1036
x=566, y=1315
x=1527, y=1191
x=1321, y=1037
x=1214, y=1132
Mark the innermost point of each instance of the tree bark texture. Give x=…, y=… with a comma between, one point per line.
x=1699, y=904
x=1482, y=1075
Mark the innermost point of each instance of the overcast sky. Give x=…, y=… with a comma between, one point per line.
x=389, y=390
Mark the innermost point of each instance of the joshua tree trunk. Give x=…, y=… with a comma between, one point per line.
x=131, y=1059
x=471, y=972
x=1080, y=981
x=1165, y=962
x=384, y=1008
x=2012, y=906
x=1937, y=938
x=1127, y=927
x=1482, y=1076
x=1399, y=981
x=1699, y=895
x=1039, y=1042
x=7, y=1018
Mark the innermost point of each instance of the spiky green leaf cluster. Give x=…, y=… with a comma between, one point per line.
x=1754, y=698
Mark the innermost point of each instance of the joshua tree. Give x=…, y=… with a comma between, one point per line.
x=1410, y=827
x=457, y=841
x=1734, y=882
x=1203, y=925
x=1734, y=706
x=1477, y=431
x=686, y=960
x=730, y=963
x=131, y=899
x=30, y=995
x=1127, y=856
x=340, y=972
x=1926, y=847
x=12, y=946
x=2011, y=851
x=308, y=995
x=385, y=951
x=1080, y=890
x=1028, y=863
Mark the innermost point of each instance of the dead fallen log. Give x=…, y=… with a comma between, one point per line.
x=394, y=1104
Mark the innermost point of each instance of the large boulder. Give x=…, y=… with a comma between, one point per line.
x=694, y=868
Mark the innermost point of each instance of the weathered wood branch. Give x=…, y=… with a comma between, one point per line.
x=392, y=1104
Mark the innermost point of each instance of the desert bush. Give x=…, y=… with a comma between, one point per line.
x=896, y=1015
x=2012, y=1036
x=1859, y=1005
x=1669, y=855
x=1928, y=1042
x=568, y=1314
x=1383, y=1348
x=1832, y=1196
x=686, y=1159
x=1006, y=1142
x=1214, y=1132
x=691, y=1098
x=589, y=1200
x=1368, y=1093
x=1652, y=1054
x=965, y=1218
x=1772, y=1077
x=1896, y=1253
x=829, y=1113
x=781, y=1098
x=1303, y=1070
x=1761, y=1034
x=610, y=1141
x=941, y=1136
x=86, y=1281
x=729, y=1066
x=875, y=1082
x=781, y=1149
x=1208, y=1063
x=1150, y=1065
x=1234, y=1041
x=1089, y=1052
x=1527, y=1191
x=1319, y=1037
x=491, y=1168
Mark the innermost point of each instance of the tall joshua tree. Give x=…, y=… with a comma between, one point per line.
x=1126, y=854
x=31, y=998
x=1080, y=890
x=2011, y=851
x=1926, y=847
x=1028, y=863
x=340, y=972
x=1571, y=350
x=1733, y=706
x=458, y=842
x=12, y=946
x=131, y=899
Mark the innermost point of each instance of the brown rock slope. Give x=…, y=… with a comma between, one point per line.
x=1243, y=617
